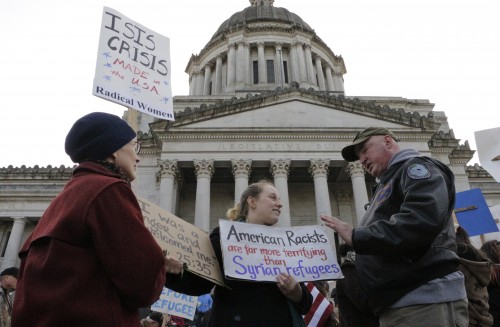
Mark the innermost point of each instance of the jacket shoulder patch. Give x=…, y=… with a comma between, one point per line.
x=383, y=194
x=418, y=171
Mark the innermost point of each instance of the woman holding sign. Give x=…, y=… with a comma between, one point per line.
x=248, y=303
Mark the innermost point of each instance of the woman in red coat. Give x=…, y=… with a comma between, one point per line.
x=90, y=260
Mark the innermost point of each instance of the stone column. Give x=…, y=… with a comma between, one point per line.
x=191, y=84
x=278, y=64
x=201, y=83
x=293, y=65
x=204, y=170
x=194, y=84
x=261, y=63
x=338, y=81
x=311, y=74
x=218, y=75
x=301, y=61
x=318, y=169
x=178, y=183
x=206, y=83
x=241, y=172
x=329, y=79
x=168, y=172
x=247, y=65
x=240, y=63
x=14, y=243
x=319, y=172
x=357, y=173
x=280, y=169
x=231, y=65
x=319, y=72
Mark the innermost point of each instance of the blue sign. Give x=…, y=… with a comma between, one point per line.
x=473, y=213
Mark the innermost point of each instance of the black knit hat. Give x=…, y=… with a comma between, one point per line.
x=97, y=136
x=13, y=271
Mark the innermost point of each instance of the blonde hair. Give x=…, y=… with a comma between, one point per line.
x=240, y=210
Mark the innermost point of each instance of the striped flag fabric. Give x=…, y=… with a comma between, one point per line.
x=320, y=310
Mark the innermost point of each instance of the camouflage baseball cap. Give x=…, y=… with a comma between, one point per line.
x=348, y=152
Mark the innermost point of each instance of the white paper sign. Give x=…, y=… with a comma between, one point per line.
x=133, y=66
x=488, y=150
x=260, y=253
x=177, y=304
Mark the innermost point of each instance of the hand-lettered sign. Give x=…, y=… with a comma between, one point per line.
x=488, y=150
x=177, y=304
x=182, y=240
x=133, y=66
x=257, y=252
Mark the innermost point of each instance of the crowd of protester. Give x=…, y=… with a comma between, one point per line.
x=87, y=253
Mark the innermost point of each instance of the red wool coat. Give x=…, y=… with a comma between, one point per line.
x=90, y=260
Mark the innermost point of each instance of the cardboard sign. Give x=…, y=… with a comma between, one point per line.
x=259, y=253
x=182, y=240
x=177, y=304
x=473, y=213
x=488, y=150
x=133, y=66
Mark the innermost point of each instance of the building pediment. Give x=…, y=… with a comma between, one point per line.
x=294, y=108
x=291, y=114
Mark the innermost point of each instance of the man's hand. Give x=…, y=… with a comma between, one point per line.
x=343, y=229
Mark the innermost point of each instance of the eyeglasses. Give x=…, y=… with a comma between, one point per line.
x=137, y=146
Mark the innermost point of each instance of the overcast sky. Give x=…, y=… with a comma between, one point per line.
x=442, y=50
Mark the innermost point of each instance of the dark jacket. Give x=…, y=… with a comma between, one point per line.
x=494, y=295
x=90, y=260
x=243, y=303
x=476, y=269
x=354, y=310
x=406, y=237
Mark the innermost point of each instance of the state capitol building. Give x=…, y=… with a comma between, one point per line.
x=266, y=101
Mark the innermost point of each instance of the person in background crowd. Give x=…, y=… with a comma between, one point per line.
x=203, y=306
x=154, y=319
x=247, y=303
x=353, y=307
x=177, y=321
x=405, y=243
x=90, y=260
x=476, y=269
x=8, y=282
x=492, y=251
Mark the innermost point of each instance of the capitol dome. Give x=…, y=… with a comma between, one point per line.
x=261, y=13
x=262, y=48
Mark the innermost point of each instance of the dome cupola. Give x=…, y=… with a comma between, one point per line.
x=261, y=48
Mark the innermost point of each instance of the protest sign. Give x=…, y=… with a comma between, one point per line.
x=473, y=214
x=133, y=66
x=177, y=304
x=182, y=240
x=259, y=253
x=488, y=150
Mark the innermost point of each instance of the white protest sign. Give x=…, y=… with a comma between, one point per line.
x=177, y=304
x=257, y=252
x=133, y=66
x=488, y=150
x=182, y=240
